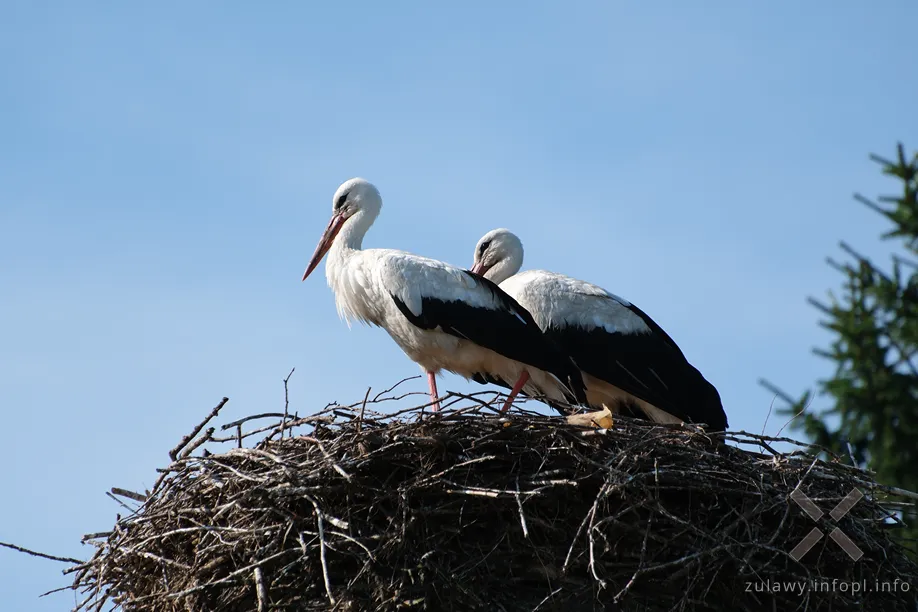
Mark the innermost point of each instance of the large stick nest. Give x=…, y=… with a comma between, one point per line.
x=468, y=509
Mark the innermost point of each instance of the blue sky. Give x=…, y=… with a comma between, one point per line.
x=166, y=170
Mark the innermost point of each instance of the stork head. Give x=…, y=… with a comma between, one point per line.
x=357, y=203
x=498, y=255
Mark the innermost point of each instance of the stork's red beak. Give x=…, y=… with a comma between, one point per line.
x=479, y=269
x=325, y=242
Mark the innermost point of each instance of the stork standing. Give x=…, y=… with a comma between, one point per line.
x=626, y=358
x=442, y=317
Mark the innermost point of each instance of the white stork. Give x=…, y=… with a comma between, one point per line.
x=625, y=357
x=443, y=317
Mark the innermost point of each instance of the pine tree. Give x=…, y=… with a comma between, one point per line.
x=874, y=391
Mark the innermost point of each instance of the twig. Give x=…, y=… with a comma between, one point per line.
x=286, y=403
x=547, y=597
x=208, y=436
x=321, y=527
x=229, y=578
x=393, y=387
x=519, y=504
x=57, y=590
x=119, y=502
x=600, y=495
x=777, y=392
x=129, y=494
x=38, y=554
x=771, y=406
x=260, y=590
x=243, y=420
x=330, y=459
x=173, y=454
x=640, y=564
x=363, y=408
x=96, y=535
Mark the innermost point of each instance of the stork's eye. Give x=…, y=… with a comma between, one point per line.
x=339, y=203
x=484, y=247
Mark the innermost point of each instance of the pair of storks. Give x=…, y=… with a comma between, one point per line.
x=535, y=332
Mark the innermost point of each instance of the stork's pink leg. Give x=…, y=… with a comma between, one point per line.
x=434, y=396
x=524, y=377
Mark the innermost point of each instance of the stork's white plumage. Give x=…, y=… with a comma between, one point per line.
x=626, y=358
x=442, y=317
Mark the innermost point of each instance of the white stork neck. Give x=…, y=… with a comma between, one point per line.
x=348, y=241
x=350, y=238
x=505, y=268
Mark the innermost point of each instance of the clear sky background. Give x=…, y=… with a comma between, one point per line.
x=167, y=168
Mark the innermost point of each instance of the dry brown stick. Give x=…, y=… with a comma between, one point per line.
x=173, y=454
x=547, y=597
x=69, y=587
x=768, y=416
x=419, y=408
x=253, y=417
x=519, y=504
x=96, y=535
x=286, y=403
x=129, y=494
x=42, y=555
x=260, y=589
x=321, y=525
x=200, y=587
x=690, y=557
x=83, y=603
x=634, y=576
x=324, y=561
x=468, y=462
x=393, y=387
x=570, y=551
x=344, y=536
x=793, y=418
x=172, y=532
x=159, y=559
x=328, y=457
x=101, y=603
x=276, y=429
x=119, y=502
x=83, y=566
x=592, y=514
x=472, y=396
x=197, y=443
x=363, y=408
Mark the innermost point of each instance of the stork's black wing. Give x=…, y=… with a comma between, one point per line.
x=508, y=330
x=648, y=365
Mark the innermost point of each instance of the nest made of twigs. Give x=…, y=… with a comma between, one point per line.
x=468, y=509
